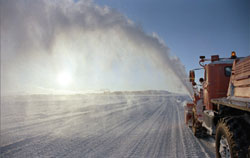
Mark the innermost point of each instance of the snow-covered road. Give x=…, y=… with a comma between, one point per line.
x=100, y=126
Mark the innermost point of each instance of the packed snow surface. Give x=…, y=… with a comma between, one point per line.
x=98, y=125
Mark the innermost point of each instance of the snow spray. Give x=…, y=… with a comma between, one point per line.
x=43, y=37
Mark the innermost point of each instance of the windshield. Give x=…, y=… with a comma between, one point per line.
x=228, y=70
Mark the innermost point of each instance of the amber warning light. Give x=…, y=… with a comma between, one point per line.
x=233, y=55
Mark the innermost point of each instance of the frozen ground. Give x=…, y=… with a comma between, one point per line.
x=99, y=126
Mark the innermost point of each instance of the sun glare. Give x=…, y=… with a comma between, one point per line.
x=64, y=78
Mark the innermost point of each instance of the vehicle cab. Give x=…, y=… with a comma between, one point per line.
x=216, y=79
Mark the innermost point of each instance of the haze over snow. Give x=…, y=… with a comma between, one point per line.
x=66, y=46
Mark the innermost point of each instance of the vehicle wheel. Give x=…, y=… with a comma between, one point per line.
x=194, y=129
x=231, y=139
x=197, y=128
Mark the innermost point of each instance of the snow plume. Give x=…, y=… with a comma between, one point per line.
x=98, y=46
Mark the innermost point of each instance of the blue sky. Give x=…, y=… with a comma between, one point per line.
x=191, y=28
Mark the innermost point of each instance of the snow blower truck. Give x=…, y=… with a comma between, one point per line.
x=220, y=106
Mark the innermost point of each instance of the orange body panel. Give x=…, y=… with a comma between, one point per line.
x=190, y=105
x=216, y=83
x=188, y=112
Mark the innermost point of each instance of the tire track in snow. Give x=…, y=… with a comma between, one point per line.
x=148, y=127
x=47, y=123
x=88, y=143
x=157, y=144
x=142, y=141
x=108, y=140
x=187, y=139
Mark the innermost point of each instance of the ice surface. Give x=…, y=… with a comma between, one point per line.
x=103, y=125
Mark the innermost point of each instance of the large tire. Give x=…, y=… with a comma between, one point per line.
x=232, y=138
x=194, y=126
x=197, y=128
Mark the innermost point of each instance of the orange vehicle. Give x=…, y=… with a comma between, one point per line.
x=221, y=105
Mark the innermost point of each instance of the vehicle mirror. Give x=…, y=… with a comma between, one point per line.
x=201, y=80
x=191, y=76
